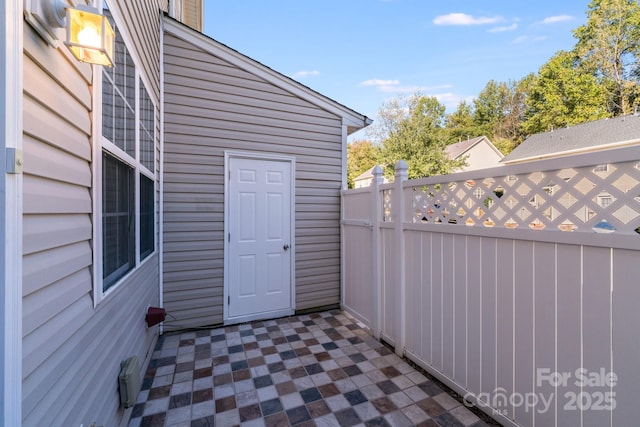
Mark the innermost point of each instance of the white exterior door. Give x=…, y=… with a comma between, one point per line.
x=259, y=238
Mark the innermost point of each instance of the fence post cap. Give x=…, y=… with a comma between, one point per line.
x=401, y=164
x=377, y=174
x=401, y=170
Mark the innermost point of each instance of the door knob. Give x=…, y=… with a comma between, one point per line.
x=286, y=247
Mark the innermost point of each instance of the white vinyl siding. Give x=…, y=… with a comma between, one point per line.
x=212, y=106
x=71, y=350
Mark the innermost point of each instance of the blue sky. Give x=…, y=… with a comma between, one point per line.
x=362, y=53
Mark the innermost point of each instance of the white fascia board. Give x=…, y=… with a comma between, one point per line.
x=349, y=117
x=494, y=148
x=489, y=143
x=575, y=151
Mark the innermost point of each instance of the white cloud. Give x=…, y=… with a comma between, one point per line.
x=511, y=27
x=450, y=100
x=380, y=82
x=388, y=86
x=394, y=86
x=523, y=39
x=465, y=19
x=557, y=18
x=304, y=73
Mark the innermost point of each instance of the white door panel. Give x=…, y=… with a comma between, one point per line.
x=260, y=218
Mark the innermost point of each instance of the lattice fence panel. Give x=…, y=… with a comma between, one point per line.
x=602, y=198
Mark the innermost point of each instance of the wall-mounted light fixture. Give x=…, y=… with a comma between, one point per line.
x=88, y=35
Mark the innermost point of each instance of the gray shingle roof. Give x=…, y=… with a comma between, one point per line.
x=592, y=135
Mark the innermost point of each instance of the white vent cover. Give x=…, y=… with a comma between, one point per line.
x=129, y=381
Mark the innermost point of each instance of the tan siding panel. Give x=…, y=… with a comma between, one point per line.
x=43, y=268
x=44, y=160
x=91, y=335
x=41, y=306
x=185, y=274
x=73, y=112
x=255, y=107
x=212, y=106
x=42, y=196
x=192, y=13
x=58, y=330
x=57, y=230
x=59, y=70
x=232, y=95
x=251, y=142
x=45, y=125
x=251, y=133
x=289, y=122
x=198, y=288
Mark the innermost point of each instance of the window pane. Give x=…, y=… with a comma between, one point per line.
x=124, y=123
x=107, y=108
x=130, y=81
x=147, y=142
x=118, y=97
x=146, y=216
x=118, y=222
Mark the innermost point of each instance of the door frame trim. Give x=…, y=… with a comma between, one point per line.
x=252, y=155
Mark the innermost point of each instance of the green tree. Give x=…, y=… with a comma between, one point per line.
x=490, y=106
x=563, y=94
x=459, y=125
x=500, y=108
x=361, y=156
x=497, y=113
x=609, y=47
x=508, y=131
x=413, y=130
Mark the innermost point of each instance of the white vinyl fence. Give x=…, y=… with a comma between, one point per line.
x=517, y=286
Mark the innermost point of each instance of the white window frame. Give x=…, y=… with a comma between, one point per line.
x=100, y=145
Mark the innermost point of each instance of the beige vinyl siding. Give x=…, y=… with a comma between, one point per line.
x=71, y=350
x=192, y=13
x=212, y=106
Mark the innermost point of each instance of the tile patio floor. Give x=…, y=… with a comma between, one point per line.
x=320, y=369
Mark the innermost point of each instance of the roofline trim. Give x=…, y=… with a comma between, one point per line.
x=354, y=120
x=565, y=153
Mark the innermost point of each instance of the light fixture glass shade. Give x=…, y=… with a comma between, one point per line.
x=89, y=36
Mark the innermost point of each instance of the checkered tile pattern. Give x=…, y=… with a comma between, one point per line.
x=311, y=370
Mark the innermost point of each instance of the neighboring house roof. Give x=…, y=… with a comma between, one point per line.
x=354, y=120
x=591, y=136
x=366, y=178
x=457, y=150
x=368, y=174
